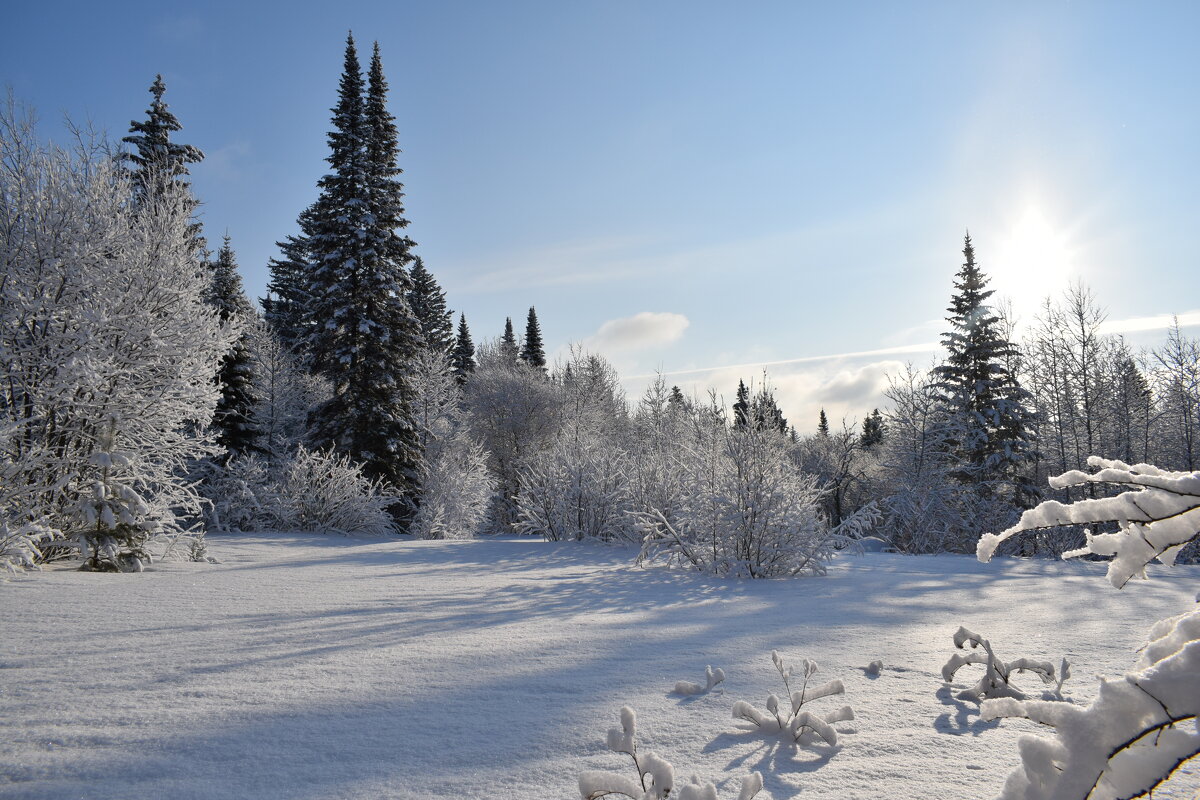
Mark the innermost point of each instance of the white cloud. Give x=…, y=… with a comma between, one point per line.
x=1156, y=323
x=641, y=331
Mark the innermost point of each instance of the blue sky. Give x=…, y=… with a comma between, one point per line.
x=685, y=186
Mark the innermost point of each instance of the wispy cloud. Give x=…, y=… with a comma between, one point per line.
x=924, y=347
x=1159, y=322
x=643, y=330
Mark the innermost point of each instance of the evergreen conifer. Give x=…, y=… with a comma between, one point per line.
x=235, y=410
x=508, y=342
x=462, y=359
x=428, y=303
x=532, y=351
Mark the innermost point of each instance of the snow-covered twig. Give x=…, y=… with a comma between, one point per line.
x=655, y=775
x=798, y=724
x=997, y=674
x=712, y=678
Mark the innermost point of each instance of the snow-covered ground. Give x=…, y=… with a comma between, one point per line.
x=304, y=666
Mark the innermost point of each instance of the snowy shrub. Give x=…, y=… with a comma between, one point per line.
x=576, y=491
x=19, y=540
x=711, y=678
x=108, y=350
x=1140, y=729
x=655, y=776
x=455, y=484
x=240, y=494
x=284, y=393
x=997, y=674
x=327, y=493
x=1157, y=517
x=513, y=410
x=794, y=721
x=744, y=509
x=577, y=487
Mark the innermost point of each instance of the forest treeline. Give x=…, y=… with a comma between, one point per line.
x=146, y=399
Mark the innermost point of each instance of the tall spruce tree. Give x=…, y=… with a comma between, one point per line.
x=234, y=416
x=462, y=359
x=676, y=401
x=823, y=424
x=287, y=291
x=156, y=163
x=508, y=341
x=533, y=352
x=362, y=335
x=741, y=407
x=156, y=157
x=986, y=406
x=428, y=303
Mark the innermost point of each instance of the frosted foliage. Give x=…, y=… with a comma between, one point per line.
x=578, y=487
x=655, y=776
x=326, y=493
x=108, y=350
x=455, y=483
x=997, y=674
x=743, y=509
x=1129, y=740
x=788, y=716
x=712, y=677
x=1157, y=516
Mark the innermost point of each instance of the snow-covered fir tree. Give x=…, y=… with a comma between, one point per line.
x=741, y=406
x=154, y=153
x=765, y=410
x=428, y=303
x=872, y=430
x=233, y=421
x=823, y=424
x=287, y=291
x=533, y=352
x=976, y=390
x=462, y=358
x=508, y=341
x=363, y=335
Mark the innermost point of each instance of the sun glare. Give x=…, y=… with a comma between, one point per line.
x=1032, y=260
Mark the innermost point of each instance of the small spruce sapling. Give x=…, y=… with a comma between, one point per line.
x=712, y=678
x=997, y=676
x=800, y=725
x=655, y=776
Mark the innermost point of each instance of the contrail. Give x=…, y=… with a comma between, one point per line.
x=927, y=347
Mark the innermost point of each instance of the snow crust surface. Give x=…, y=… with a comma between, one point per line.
x=305, y=666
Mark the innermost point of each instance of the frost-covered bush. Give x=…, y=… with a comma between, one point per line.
x=575, y=491
x=655, y=776
x=744, y=509
x=241, y=494
x=577, y=488
x=1142, y=727
x=997, y=674
x=513, y=411
x=456, y=486
x=711, y=678
x=327, y=493
x=107, y=348
x=792, y=720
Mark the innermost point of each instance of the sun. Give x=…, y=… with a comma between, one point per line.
x=1033, y=259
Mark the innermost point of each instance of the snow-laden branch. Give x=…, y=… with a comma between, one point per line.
x=997, y=674
x=1125, y=743
x=1158, y=516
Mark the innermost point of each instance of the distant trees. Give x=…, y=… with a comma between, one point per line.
x=234, y=419
x=533, y=352
x=462, y=358
x=428, y=304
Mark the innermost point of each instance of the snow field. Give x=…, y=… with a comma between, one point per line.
x=305, y=666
